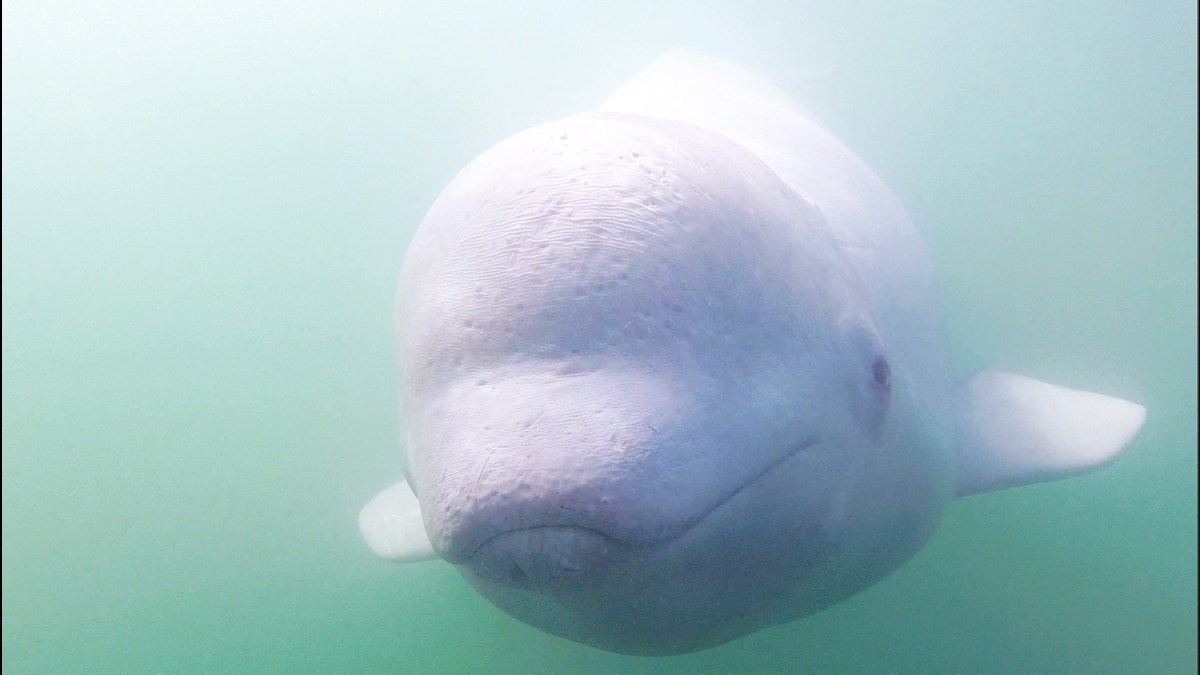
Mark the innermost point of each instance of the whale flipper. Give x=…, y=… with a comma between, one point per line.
x=391, y=523
x=1015, y=430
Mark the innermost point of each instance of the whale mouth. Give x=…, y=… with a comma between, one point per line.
x=766, y=471
x=545, y=555
x=557, y=554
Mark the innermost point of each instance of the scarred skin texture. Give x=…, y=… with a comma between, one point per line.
x=649, y=404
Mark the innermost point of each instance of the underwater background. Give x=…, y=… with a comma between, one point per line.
x=205, y=209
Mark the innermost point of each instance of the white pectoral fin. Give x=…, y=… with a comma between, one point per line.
x=391, y=523
x=1014, y=430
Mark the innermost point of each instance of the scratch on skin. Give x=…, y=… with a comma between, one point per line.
x=481, y=470
x=491, y=454
x=535, y=419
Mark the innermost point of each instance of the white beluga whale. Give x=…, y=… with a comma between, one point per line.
x=673, y=371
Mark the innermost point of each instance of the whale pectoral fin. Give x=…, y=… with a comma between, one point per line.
x=391, y=523
x=1014, y=430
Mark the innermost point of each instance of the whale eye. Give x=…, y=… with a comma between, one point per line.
x=882, y=372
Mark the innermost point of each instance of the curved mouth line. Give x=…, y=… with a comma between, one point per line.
x=548, y=526
x=688, y=526
x=806, y=444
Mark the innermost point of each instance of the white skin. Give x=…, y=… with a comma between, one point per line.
x=664, y=386
x=630, y=322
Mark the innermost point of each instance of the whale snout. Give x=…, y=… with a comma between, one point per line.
x=535, y=477
x=544, y=556
x=540, y=540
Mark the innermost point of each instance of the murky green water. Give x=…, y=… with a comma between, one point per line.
x=205, y=210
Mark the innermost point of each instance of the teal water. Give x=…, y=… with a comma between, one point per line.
x=204, y=213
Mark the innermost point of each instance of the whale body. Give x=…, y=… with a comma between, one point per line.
x=673, y=371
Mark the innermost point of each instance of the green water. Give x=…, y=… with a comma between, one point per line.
x=206, y=205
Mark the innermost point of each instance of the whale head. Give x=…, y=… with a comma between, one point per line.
x=626, y=342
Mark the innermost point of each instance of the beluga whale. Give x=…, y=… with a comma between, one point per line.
x=673, y=371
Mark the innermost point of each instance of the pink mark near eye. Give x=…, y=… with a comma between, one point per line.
x=882, y=372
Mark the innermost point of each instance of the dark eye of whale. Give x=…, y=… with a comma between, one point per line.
x=882, y=372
